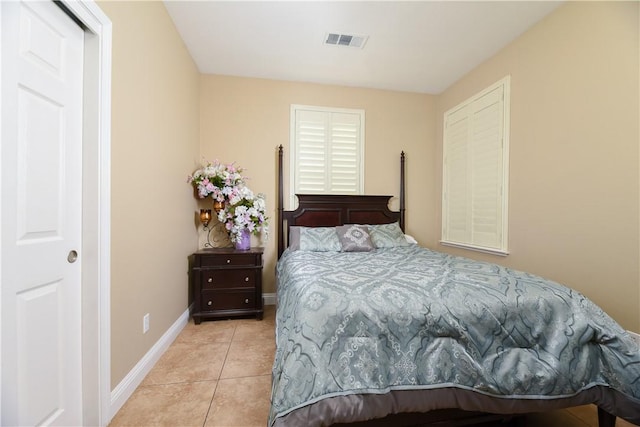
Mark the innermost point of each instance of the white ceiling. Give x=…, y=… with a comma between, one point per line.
x=415, y=46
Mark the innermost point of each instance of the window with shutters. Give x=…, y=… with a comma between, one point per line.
x=326, y=151
x=475, y=171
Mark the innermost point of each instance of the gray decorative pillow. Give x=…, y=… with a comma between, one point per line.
x=354, y=238
x=319, y=239
x=387, y=235
x=294, y=238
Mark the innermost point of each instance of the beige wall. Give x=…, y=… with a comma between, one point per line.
x=154, y=147
x=244, y=120
x=574, y=183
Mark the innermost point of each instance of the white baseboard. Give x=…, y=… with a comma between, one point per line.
x=132, y=380
x=269, y=299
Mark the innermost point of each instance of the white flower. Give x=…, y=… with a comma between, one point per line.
x=259, y=202
x=246, y=193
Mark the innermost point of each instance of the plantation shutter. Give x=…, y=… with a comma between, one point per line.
x=475, y=172
x=311, y=152
x=457, y=196
x=344, y=148
x=327, y=151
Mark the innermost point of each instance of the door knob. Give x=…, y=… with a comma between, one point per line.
x=72, y=257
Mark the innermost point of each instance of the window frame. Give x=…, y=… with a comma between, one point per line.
x=502, y=170
x=293, y=146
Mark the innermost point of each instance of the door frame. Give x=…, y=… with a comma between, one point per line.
x=96, y=212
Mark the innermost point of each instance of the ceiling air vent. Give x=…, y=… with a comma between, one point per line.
x=350, y=40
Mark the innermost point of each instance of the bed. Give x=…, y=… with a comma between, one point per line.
x=402, y=335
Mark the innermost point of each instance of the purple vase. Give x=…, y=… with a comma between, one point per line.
x=244, y=240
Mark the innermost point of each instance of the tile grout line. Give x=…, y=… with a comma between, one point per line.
x=206, y=415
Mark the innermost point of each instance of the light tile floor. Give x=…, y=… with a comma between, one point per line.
x=218, y=374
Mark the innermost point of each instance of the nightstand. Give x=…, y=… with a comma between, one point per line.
x=226, y=283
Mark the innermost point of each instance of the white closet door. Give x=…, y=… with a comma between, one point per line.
x=42, y=71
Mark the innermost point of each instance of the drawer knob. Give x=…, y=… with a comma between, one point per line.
x=210, y=279
x=246, y=279
x=246, y=301
x=228, y=261
x=209, y=303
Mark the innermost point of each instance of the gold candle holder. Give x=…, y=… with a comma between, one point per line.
x=205, y=217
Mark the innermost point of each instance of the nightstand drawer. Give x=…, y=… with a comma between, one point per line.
x=230, y=300
x=231, y=260
x=238, y=278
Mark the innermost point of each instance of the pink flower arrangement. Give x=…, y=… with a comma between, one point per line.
x=218, y=180
x=242, y=209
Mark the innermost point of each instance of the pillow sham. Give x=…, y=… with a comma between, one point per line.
x=294, y=238
x=354, y=238
x=387, y=235
x=319, y=239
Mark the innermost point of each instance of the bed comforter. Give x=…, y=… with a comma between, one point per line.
x=357, y=331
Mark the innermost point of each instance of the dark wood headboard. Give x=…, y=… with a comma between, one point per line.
x=328, y=210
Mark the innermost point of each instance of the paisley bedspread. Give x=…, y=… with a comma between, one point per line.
x=408, y=318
